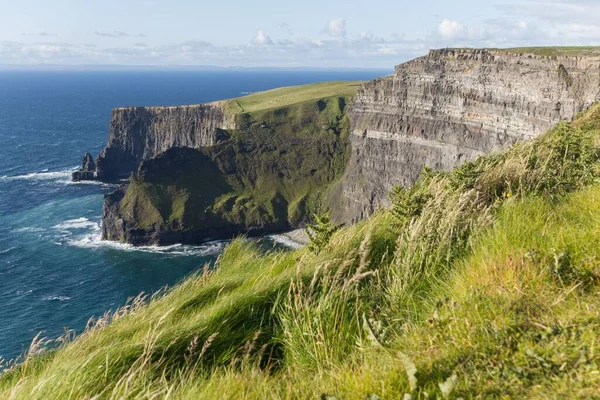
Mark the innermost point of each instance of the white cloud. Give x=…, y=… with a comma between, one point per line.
x=337, y=28
x=521, y=23
x=527, y=23
x=555, y=10
x=452, y=30
x=556, y=22
x=262, y=39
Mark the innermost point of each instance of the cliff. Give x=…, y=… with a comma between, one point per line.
x=265, y=162
x=268, y=172
x=140, y=133
x=454, y=105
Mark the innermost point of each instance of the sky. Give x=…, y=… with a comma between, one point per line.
x=270, y=33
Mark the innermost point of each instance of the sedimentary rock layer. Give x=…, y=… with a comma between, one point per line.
x=451, y=106
x=140, y=133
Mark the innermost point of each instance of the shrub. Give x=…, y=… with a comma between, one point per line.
x=321, y=232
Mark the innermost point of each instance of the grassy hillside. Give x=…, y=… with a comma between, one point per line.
x=273, y=171
x=287, y=96
x=556, y=50
x=478, y=283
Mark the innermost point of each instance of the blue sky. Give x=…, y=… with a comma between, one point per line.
x=308, y=33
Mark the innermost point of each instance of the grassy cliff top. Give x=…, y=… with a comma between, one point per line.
x=556, y=51
x=286, y=96
x=562, y=51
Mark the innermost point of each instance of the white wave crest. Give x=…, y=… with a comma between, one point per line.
x=28, y=229
x=95, y=242
x=56, y=298
x=42, y=175
x=78, y=223
x=96, y=183
x=7, y=250
x=92, y=240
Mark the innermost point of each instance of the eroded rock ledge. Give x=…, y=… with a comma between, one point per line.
x=140, y=133
x=451, y=106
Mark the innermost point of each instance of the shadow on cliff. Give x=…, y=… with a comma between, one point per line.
x=188, y=180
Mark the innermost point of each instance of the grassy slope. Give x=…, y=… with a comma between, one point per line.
x=482, y=282
x=556, y=50
x=287, y=96
x=273, y=172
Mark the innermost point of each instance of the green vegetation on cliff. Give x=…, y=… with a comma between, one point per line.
x=272, y=173
x=481, y=282
x=559, y=51
x=287, y=96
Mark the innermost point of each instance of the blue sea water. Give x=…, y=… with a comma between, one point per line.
x=55, y=273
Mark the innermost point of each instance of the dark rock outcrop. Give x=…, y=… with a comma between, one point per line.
x=87, y=171
x=113, y=226
x=140, y=133
x=450, y=106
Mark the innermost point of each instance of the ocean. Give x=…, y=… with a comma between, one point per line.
x=55, y=273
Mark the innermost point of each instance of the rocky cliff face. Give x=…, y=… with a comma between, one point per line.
x=263, y=169
x=272, y=173
x=140, y=133
x=451, y=106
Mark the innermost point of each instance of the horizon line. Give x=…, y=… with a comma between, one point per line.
x=172, y=67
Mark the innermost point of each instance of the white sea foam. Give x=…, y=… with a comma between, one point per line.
x=28, y=229
x=78, y=223
x=98, y=183
x=42, y=175
x=56, y=298
x=71, y=235
x=63, y=176
x=92, y=240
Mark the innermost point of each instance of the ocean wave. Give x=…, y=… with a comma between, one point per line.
x=78, y=223
x=72, y=235
x=7, y=250
x=92, y=240
x=28, y=229
x=98, y=183
x=56, y=298
x=42, y=175
x=13, y=167
x=95, y=242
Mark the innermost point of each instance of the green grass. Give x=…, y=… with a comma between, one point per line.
x=554, y=50
x=287, y=96
x=478, y=283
